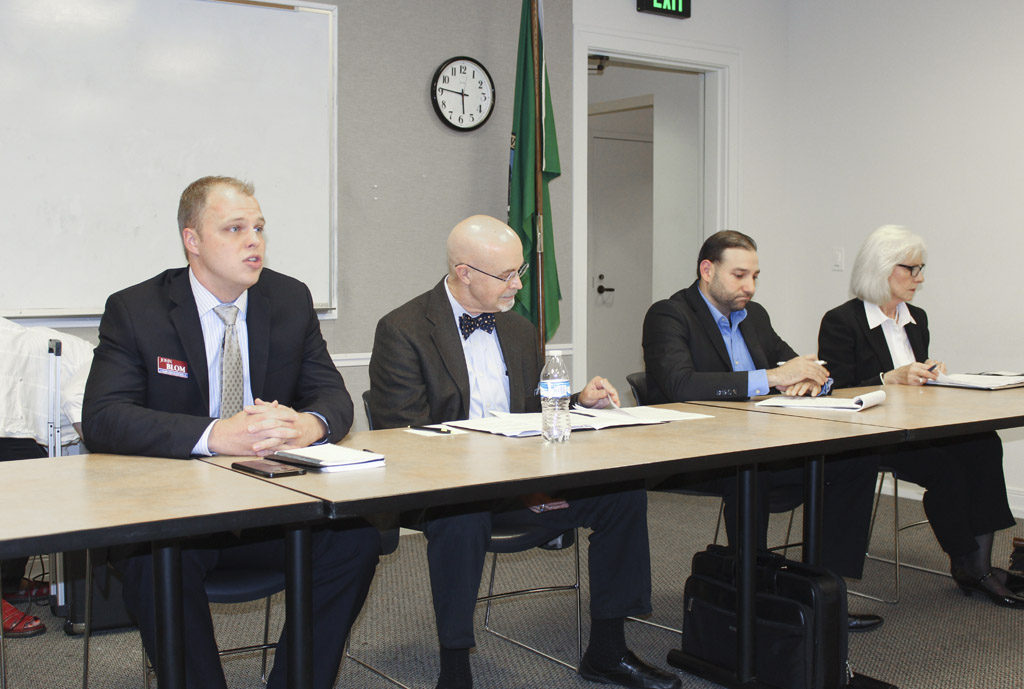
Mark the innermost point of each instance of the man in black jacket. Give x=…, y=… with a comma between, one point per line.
x=711, y=342
x=173, y=377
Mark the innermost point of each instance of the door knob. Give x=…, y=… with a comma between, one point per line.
x=601, y=289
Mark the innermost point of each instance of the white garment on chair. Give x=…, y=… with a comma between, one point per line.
x=24, y=381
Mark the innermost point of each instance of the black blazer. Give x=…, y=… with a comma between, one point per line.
x=131, y=408
x=855, y=354
x=418, y=371
x=685, y=355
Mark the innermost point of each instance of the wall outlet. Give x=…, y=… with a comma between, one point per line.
x=838, y=259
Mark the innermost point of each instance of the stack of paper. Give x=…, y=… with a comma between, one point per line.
x=329, y=458
x=583, y=419
x=857, y=403
x=980, y=381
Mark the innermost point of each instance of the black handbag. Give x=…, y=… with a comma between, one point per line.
x=801, y=620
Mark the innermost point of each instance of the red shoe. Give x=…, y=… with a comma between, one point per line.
x=29, y=589
x=18, y=624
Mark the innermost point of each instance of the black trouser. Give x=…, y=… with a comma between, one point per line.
x=344, y=560
x=10, y=449
x=965, y=492
x=619, y=556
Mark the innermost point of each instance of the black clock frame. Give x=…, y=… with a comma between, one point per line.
x=437, y=108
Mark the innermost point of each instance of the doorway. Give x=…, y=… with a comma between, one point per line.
x=645, y=196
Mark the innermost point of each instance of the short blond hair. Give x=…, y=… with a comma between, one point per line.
x=193, y=200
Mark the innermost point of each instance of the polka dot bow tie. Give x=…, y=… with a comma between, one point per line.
x=467, y=324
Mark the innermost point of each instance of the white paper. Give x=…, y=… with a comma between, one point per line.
x=329, y=456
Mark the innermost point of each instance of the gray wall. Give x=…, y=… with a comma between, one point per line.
x=406, y=178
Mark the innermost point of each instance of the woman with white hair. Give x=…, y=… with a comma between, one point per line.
x=878, y=337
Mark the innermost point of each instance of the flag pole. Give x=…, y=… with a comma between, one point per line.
x=538, y=182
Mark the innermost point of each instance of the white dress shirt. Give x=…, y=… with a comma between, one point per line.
x=894, y=330
x=488, y=375
x=213, y=337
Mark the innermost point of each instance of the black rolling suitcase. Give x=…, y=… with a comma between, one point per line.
x=801, y=620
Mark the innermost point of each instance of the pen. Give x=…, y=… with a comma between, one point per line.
x=819, y=362
x=432, y=430
x=582, y=413
x=933, y=367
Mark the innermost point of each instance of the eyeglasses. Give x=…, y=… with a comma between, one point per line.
x=508, y=278
x=914, y=270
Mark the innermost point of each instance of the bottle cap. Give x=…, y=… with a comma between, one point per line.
x=555, y=352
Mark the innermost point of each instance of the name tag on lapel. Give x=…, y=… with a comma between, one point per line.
x=171, y=367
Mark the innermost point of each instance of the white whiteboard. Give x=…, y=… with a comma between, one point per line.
x=109, y=108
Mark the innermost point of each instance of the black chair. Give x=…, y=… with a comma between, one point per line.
x=239, y=586
x=510, y=539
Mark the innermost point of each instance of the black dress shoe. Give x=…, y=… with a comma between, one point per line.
x=864, y=623
x=631, y=672
x=1012, y=581
x=983, y=586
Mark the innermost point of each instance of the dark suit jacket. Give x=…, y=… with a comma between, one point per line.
x=418, y=371
x=856, y=354
x=685, y=355
x=130, y=408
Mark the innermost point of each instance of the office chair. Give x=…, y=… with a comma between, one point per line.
x=239, y=586
x=639, y=385
x=896, y=529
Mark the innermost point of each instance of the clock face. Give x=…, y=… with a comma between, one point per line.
x=462, y=93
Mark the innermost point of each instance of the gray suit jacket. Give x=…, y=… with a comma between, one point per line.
x=418, y=371
x=685, y=355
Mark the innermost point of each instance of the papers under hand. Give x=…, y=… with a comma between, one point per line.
x=525, y=425
x=979, y=381
x=330, y=458
x=857, y=403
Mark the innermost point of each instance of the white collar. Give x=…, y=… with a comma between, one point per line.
x=876, y=317
x=206, y=301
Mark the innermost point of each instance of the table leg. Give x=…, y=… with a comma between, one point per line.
x=746, y=479
x=744, y=676
x=814, y=487
x=170, y=654
x=299, y=607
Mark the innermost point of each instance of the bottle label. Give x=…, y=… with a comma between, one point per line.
x=555, y=388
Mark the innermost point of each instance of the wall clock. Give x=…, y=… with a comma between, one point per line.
x=462, y=93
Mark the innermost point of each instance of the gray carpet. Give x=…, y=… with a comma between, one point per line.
x=935, y=637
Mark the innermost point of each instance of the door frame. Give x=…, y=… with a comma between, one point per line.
x=721, y=69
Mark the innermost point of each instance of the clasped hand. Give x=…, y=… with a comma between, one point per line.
x=800, y=376
x=263, y=428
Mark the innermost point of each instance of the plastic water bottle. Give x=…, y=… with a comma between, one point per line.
x=554, y=399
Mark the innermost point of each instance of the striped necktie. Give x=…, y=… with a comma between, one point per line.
x=231, y=397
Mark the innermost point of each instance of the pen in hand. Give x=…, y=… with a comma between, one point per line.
x=933, y=367
x=819, y=362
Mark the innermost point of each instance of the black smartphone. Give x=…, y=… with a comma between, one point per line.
x=267, y=469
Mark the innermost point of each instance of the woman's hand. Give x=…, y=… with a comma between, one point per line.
x=915, y=373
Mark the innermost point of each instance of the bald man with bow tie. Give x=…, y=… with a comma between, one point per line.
x=458, y=352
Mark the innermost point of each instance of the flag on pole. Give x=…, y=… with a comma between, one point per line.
x=524, y=213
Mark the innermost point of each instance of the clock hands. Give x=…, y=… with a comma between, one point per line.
x=461, y=93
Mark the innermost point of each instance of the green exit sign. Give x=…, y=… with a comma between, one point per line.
x=671, y=8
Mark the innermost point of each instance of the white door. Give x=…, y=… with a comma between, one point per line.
x=645, y=191
x=620, y=177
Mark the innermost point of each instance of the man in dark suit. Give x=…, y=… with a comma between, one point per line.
x=173, y=376
x=710, y=341
x=424, y=371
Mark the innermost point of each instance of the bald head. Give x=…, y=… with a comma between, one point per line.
x=481, y=251
x=479, y=237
